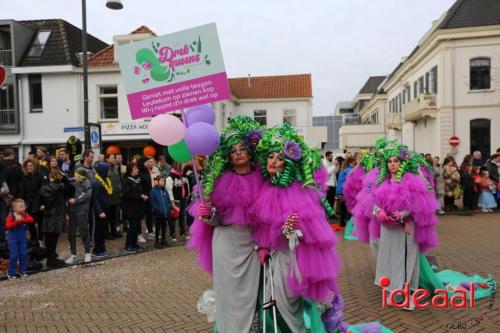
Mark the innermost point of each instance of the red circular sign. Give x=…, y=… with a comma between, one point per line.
x=3, y=75
x=454, y=141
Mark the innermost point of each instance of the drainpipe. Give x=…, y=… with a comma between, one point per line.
x=21, y=117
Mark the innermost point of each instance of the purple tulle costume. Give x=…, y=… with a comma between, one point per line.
x=411, y=195
x=352, y=187
x=317, y=258
x=232, y=196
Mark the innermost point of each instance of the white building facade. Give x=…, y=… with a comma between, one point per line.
x=448, y=86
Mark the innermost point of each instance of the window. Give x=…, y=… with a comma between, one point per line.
x=108, y=99
x=374, y=118
x=7, y=112
x=415, y=89
x=390, y=106
x=434, y=87
x=39, y=43
x=260, y=116
x=400, y=106
x=289, y=117
x=408, y=93
x=404, y=97
x=35, y=83
x=480, y=73
x=421, y=85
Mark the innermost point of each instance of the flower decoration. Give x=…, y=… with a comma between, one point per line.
x=292, y=150
x=253, y=137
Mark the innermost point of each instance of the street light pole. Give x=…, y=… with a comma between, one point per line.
x=111, y=4
x=85, y=77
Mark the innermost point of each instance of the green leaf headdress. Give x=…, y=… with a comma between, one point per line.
x=300, y=160
x=410, y=160
x=241, y=129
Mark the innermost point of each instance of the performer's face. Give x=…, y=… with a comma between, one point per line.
x=393, y=164
x=239, y=155
x=275, y=163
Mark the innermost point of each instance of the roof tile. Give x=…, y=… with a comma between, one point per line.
x=106, y=57
x=285, y=86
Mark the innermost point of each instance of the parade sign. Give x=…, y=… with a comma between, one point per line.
x=173, y=72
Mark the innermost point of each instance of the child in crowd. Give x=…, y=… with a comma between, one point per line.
x=16, y=225
x=160, y=204
x=53, y=205
x=79, y=216
x=487, y=189
x=178, y=191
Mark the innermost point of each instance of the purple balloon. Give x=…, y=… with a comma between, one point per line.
x=201, y=139
x=200, y=114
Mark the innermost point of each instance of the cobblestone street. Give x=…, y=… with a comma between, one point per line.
x=157, y=291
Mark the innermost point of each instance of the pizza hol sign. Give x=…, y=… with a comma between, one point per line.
x=173, y=71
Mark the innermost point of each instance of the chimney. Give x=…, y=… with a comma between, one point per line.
x=249, y=81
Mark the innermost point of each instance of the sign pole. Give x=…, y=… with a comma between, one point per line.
x=201, y=191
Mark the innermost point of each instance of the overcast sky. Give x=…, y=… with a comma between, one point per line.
x=340, y=42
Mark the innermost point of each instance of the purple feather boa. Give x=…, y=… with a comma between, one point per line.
x=352, y=187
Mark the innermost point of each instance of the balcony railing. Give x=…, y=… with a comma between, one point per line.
x=7, y=119
x=421, y=107
x=6, y=58
x=352, y=121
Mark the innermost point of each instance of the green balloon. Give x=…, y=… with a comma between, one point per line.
x=180, y=152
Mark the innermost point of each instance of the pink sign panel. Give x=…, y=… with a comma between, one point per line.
x=177, y=96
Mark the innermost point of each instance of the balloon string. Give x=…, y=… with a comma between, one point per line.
x=196, y=175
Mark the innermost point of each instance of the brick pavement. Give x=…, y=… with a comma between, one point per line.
x=157, y=291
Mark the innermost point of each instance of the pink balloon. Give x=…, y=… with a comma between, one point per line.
x=166, y=129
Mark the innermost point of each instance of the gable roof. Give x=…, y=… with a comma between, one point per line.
x=106, y=56
x=64, y=43
x=283, y=86
x=371, y=85
x=472, y=13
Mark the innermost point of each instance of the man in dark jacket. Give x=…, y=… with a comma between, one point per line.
x=101, y=191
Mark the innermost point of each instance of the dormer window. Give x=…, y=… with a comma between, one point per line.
x=36, y=49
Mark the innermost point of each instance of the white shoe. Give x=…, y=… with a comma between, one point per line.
x=88, y=258
x=188, y=237
x=72, y=259
x=484, y=210
x=151, y=235
x=174, y=240
x=141, y=239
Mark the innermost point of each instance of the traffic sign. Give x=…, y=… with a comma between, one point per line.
x=454, y=141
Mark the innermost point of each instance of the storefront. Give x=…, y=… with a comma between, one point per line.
x=130, y=138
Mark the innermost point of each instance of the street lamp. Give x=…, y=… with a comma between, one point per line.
x=112, y=4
